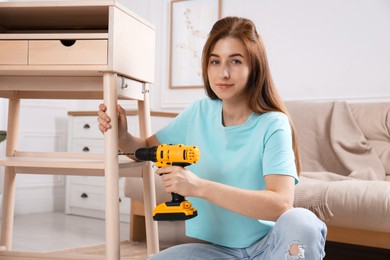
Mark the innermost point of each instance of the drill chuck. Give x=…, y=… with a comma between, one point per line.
x=146, y=154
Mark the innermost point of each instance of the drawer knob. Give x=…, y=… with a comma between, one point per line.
x=84, y=195
x=120, y=200
x=85, y=149
x=68, y=43
x=86, y=126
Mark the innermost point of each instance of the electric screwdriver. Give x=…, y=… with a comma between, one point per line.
x=171, y=155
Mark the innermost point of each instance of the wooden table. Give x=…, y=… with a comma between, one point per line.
x=75, y=50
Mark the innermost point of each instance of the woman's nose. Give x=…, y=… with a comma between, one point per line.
x=225, y=73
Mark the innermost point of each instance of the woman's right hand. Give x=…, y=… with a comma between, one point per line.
x=105, y=121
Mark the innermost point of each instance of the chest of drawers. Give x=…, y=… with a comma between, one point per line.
x=85, y=194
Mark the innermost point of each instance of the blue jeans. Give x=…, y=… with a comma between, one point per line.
x=297, y=234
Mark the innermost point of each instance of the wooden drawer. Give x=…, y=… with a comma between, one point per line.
x=68, y=52
x=13, y=52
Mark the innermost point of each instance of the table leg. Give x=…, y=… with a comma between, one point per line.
x=148, y=178
x=111, y=171
x=7, y=220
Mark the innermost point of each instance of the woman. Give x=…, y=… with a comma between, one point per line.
x=243, y=185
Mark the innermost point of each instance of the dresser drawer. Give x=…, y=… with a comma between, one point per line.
x=13, y=52
x=88, y=145
x=88, y=197
x=68, y=52
x=92, y=197
x=86, y=127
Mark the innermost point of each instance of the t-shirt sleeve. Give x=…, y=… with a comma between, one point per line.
x=278, y=157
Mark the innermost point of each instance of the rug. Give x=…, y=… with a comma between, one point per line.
x=129, y=251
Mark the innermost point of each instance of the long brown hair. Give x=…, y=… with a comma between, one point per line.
x=261, y=91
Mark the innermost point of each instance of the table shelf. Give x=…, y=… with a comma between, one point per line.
x=59, y=163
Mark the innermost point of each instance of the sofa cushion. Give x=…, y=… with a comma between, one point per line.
x=373, y=119
x=360, y=204
x=382, y=148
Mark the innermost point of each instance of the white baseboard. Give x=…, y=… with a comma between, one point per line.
x=31, y=206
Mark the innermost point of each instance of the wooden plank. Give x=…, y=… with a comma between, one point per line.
x=125, y=170
x=52, y=36
x=15, y=255
x=137, y=221
x=13, y=52
x=128, y=113
x=132, y=56
x=37, y=16
x=51, y=84
x=52, y=70
x=66, y=163
x=96, y=95
x=43, y=3
x=46, y=162
x=359, y=237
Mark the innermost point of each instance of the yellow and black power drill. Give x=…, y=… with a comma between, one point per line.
x=171, y=155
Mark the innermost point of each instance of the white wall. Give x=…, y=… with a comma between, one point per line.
x=317, y=49
x=324, y=48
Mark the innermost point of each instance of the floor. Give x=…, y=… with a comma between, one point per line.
x=54, y=231
x=338, y=251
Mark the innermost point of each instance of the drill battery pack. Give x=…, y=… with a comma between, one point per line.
x=171, y=211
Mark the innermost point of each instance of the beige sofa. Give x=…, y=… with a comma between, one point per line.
x=345, y=179
x=345, y=154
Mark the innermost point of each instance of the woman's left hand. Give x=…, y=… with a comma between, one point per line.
x=180, y=180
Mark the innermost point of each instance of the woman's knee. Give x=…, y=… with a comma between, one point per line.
x=302, y=221
x=302, y=233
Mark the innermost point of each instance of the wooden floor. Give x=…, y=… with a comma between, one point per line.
x=45, y=232
x=55, y=231
x=338, y=251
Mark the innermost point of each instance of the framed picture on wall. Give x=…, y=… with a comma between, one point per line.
x=190, y=24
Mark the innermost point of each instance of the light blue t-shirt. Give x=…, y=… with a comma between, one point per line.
x=238, y=156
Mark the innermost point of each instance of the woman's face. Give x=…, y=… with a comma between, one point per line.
x=228, y=69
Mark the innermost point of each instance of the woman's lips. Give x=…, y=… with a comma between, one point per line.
x=223, y=85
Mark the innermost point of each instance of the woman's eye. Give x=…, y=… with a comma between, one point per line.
x=236, y=61
x=214, y=62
